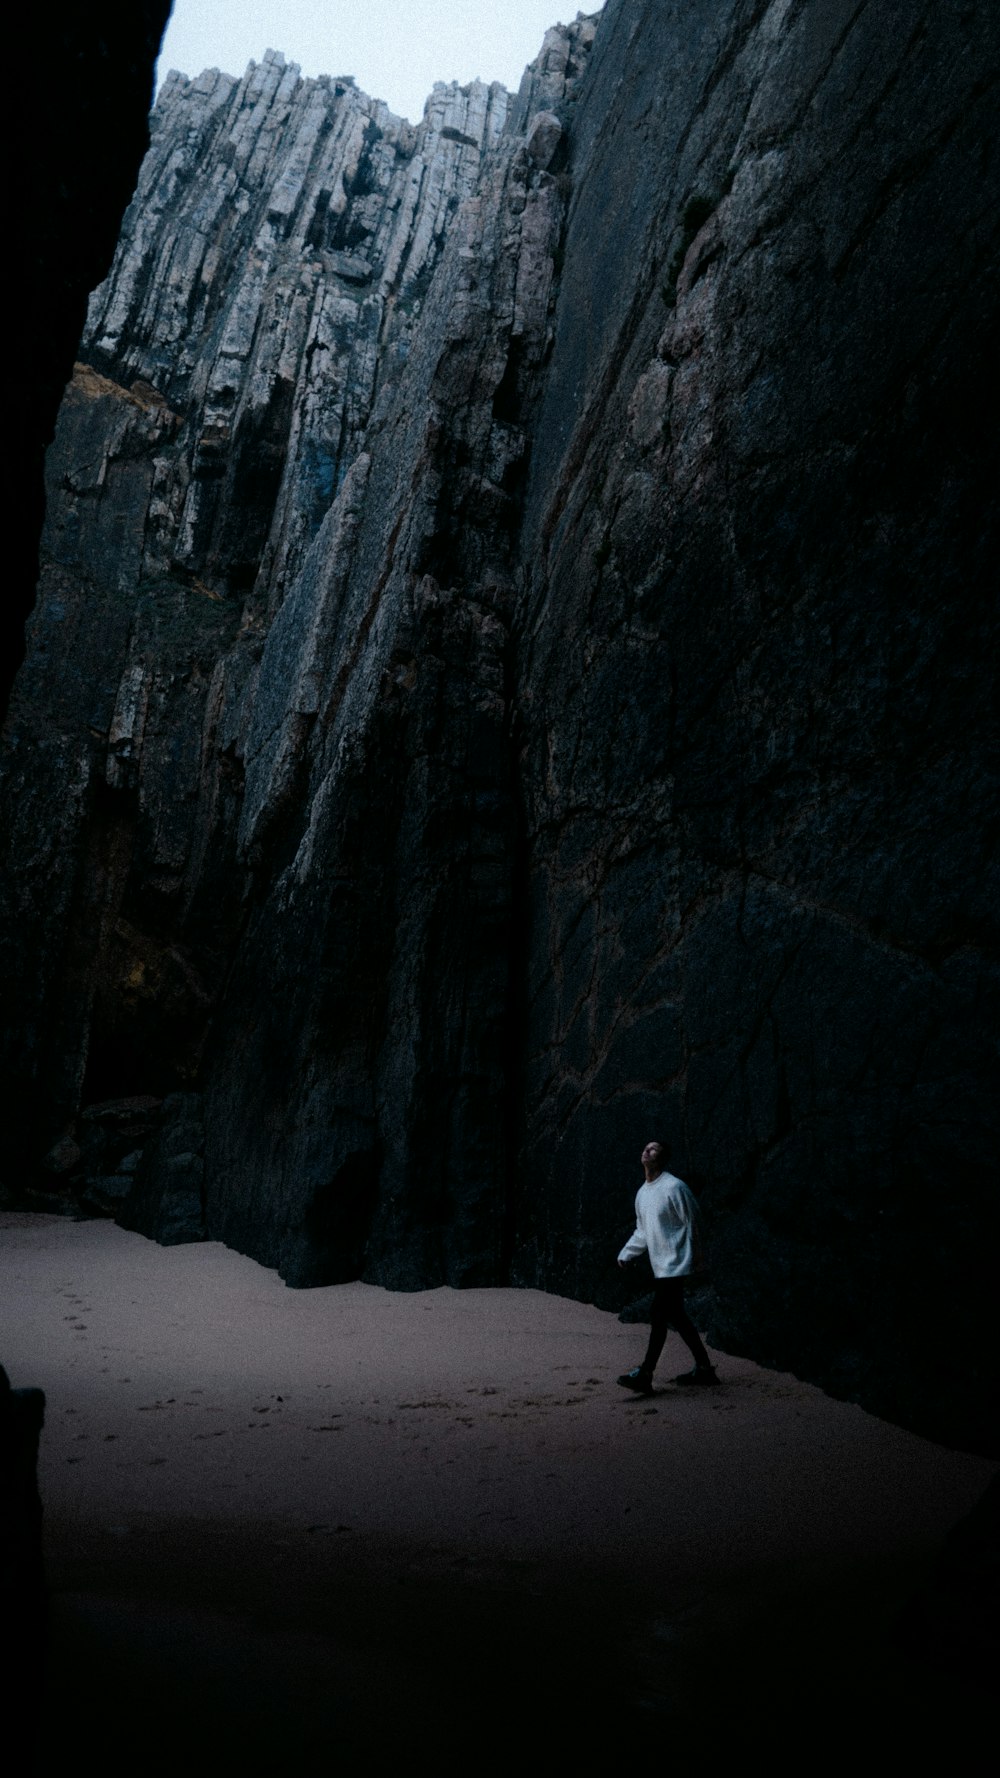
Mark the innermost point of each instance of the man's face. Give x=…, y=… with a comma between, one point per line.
x=652, y=1157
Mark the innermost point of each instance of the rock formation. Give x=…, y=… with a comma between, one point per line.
x=73, y=183
x=510, y=677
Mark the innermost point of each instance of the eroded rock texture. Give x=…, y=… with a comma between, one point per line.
x=510, y=677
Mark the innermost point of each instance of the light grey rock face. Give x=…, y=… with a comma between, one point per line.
x=270, y=271
x=378, y=809
x=544, y=136
x=264, y=321
x=510, y=677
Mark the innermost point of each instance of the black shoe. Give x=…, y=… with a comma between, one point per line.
x=639, y=1380
x=702, y=1377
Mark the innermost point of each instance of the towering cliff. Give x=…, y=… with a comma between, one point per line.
x=510, y=676
x=267, y=317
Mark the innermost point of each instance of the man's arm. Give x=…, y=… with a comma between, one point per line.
x=635, y=1246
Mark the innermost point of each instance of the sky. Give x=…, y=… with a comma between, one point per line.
x=395, y=49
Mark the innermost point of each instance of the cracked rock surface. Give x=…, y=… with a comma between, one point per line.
x=511, y=677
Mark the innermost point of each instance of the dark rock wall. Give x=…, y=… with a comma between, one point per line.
x=511, y=676
x=73, y=183
x=760, y=552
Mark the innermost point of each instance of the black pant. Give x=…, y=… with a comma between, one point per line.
x=669, y=1311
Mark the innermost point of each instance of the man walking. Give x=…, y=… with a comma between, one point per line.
x=666, y=1227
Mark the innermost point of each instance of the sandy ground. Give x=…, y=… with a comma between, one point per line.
x=300, y=1530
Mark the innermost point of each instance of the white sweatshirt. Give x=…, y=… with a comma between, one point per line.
x=666, y=1227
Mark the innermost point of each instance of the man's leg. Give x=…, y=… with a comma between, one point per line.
x=681, y=1320
x=669, y=1311
x=659, y=1323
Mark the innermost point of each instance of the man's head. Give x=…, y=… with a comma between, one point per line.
x=654, y=1160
